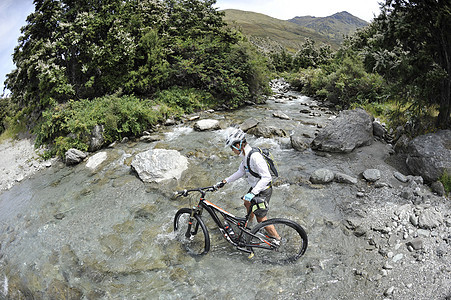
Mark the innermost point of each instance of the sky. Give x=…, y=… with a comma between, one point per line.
x=13, y=14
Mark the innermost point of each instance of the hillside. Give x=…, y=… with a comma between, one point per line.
x=333, y=27
x=269, y=33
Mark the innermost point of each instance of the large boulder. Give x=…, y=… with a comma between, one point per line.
x=206, y=124
x=430, y=155
x=157, y=165
x=351, y=129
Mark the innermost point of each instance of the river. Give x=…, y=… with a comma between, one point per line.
x=74, y=233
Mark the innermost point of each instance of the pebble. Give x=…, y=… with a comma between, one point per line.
x=387, y=266
x=398, y=257
x=389, y=291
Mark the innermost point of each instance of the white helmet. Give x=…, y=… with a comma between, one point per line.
x=235, y=136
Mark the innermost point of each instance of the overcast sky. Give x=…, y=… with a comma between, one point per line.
x=13, y=14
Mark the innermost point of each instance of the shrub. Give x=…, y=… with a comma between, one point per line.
x=445, y=179
x=69, y=125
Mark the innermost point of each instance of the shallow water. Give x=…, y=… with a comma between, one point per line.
x=107, y=235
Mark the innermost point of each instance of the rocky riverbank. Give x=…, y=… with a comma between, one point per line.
x=19, y=160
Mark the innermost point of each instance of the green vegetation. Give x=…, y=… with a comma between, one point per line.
x=445, y=179
x=271, y=34
x=127, y=65
x=178, y=55
x=398, y=66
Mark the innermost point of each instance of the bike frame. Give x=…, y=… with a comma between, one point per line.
x=240, y=223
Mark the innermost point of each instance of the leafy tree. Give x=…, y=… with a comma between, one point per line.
x=311, y=56
x=87, y=49
x=409, y=43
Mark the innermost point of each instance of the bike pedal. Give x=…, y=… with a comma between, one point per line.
x=251, y=255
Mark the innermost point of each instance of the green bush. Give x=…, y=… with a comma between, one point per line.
x=69, y=125
x=445, y=179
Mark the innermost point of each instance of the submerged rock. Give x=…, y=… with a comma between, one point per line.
x=157, y=165
x=95, y=160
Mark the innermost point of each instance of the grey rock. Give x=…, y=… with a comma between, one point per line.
x=351, y=129
x=413, y=220
x=430, y=218
x=372, y=175
x=248, y=124
x=343, y=178
x=379, y=130
x=267, y=131
x=281, y=115
x=298, y=141
x=95, y=160
x=407, y=194
x=97, y=140
x=400, y=177
x=74, y=156
x=416, y=244
x=150, y=138
x=438, y=188
x=402, y=143
x=159, y=164
x=430, y=155
x=207, y=124
x=322, y=176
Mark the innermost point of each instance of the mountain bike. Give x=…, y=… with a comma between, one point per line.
x=191, y=231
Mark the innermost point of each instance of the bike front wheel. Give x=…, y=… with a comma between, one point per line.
x=193, y=235
x=289, y=248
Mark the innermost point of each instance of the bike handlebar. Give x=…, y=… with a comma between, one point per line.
x=201, y=190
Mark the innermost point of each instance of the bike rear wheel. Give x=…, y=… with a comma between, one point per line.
x=292, y=245
x=193, y=237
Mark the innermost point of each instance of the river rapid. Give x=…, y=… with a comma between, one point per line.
x=77, y=233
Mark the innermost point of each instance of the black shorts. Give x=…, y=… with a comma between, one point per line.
x=261, y=198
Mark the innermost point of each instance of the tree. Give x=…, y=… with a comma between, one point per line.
x=410, y=44
x=73, y=49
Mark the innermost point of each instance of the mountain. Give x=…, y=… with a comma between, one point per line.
x=334, y=27
x=269, y=33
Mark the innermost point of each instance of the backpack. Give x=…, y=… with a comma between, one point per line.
x=269, y=161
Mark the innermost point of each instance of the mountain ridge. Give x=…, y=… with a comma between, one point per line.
x=270, y=34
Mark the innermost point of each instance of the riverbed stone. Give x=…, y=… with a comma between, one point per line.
x=429, y=219
x=74, y=156
x=267, y=131
x=95, y=160
x=438, y=188
x=400, y=177
x=298, y=141
x=351, y=129
x=248, y=124
x=343, y=178
x=322, y=176
x=281, y=115
x=157, y=165
x=416, y=244
x=206, y=124
x=372, y=175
